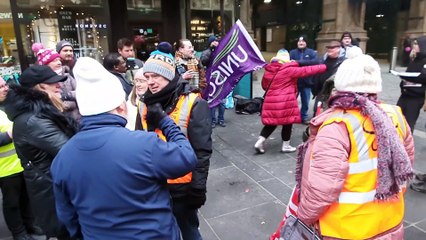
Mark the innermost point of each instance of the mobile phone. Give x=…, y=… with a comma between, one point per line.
x=130, y=62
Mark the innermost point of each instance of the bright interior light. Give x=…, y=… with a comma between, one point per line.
x=266, y=1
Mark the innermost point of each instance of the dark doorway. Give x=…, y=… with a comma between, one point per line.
x=380, y=23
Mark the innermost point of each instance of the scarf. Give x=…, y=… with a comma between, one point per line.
x=180, y=59
x=164, y=96
x=393, y=165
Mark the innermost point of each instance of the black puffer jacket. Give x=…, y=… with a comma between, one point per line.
x=417, y=65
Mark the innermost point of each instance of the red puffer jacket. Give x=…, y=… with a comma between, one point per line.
x=280, y=105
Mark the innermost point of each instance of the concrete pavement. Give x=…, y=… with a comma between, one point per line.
x=247, y=192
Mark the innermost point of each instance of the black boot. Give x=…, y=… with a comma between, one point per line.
x=36, y=230
x=23, y=236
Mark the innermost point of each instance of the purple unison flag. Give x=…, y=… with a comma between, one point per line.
x=235, y=56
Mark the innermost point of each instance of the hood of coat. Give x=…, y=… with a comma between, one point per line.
x=22, y=100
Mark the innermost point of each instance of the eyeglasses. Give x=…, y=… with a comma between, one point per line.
x=140, y=80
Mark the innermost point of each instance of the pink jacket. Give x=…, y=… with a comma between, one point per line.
x=280, y=105
x=322, y=183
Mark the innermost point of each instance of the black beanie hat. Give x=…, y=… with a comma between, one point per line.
x=346, y=34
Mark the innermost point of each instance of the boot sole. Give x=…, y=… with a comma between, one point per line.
x=259, y=151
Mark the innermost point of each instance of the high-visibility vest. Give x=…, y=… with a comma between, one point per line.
x=9, y=161
x=357, y=214
x=180, y=115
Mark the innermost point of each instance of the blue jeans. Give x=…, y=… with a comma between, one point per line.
x=187, y=220
x=221, y=118
x=305, y=97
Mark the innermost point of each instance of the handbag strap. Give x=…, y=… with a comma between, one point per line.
x=269, y=85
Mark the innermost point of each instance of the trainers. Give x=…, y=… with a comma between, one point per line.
x=213, y=125
x=260, y=145
x=418, y=186
x=420, y=177
x=222, y=124
x=288, y=149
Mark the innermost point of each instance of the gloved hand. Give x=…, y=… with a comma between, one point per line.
x=155, y=114
x=196, y=198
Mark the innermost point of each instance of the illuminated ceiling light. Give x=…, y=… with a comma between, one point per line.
x=266, y=1
x=379, y=15
x=299, y=2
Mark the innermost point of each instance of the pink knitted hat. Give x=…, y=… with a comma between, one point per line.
x=45, y=56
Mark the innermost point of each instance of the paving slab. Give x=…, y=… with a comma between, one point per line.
x=229, y=190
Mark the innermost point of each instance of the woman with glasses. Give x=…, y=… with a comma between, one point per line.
x=141, y=85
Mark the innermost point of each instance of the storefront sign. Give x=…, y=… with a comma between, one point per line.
x=5, y=15
x=98, y=26
x=67, y=29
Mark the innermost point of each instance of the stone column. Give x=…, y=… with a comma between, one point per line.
x=417, y=18
x=339, y=16
x=245, y=15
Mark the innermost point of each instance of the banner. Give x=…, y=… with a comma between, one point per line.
x=235, y=56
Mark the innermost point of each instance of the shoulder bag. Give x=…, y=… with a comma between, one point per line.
x=294, y=229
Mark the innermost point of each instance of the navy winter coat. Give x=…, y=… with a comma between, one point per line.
x=305, y=56
x=110, y=182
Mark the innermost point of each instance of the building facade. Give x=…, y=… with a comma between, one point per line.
x=379, y=24
x=94, y=26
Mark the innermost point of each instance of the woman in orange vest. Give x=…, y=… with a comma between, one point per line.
x=357, y=160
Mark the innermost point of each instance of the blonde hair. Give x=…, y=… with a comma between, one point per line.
x=56, y=101
x=133, y=96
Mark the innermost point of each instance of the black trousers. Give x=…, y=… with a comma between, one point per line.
x=410, y=107
x=267, y=130
x=16, y=206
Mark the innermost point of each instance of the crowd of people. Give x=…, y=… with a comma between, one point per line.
x=146, y=124
x=122, y=148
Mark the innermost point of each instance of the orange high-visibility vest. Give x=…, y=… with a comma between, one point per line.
x=180, y=115
x=357, y=214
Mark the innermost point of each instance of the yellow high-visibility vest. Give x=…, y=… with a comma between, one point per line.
x=357, y=214
x=9, y=161
x=180, y=115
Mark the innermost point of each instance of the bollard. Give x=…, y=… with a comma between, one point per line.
x=393, y=58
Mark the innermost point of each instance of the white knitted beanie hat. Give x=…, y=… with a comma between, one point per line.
x=97, y=90
x=359, y=73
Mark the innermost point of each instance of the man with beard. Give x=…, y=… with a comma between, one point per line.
x=191, y=113
x=66, y=51
x=188, y=66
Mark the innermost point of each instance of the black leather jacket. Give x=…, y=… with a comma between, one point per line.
x=39, y=132
x=39, y=129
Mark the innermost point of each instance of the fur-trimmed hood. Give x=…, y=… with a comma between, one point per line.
x=22, y=100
